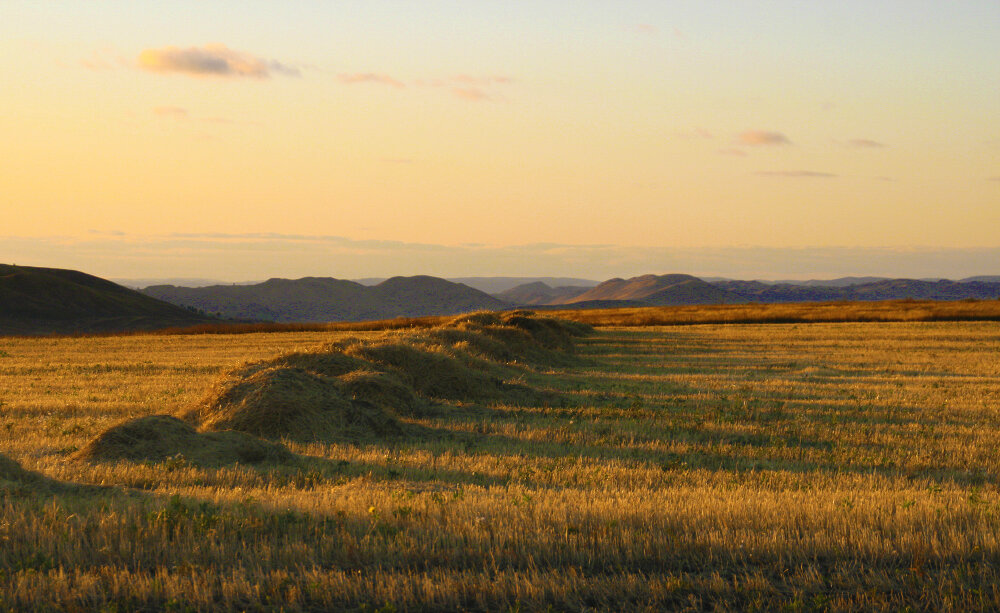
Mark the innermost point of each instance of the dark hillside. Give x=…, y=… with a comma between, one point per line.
x=659, y=290
x=540, y=293
x=46, y=300
x=886, y=289
x=322, y=299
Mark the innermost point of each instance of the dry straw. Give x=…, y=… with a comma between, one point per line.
x=161, y=437
x=353, y=390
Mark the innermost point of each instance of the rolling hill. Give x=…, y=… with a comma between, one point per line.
x=53, y=300
x=320, y=299
x=884, y=289
x=657, y=290
x=540, y=293
x=498, y=285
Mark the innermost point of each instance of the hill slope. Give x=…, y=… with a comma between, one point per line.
x=318, y=299
x=540, y=293
x=658, y=290
x=886, y=289
x=45, y=300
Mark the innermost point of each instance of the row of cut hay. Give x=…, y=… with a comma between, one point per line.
x=354, y=390
x=161, y=437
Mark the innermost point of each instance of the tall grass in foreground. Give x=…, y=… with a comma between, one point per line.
x=805, y=467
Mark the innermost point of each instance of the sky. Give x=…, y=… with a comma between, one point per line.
x=247, y=140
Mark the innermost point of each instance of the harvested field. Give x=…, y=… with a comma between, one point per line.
x=715, y=467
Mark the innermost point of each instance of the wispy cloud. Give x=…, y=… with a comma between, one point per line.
x=865, y=143
x=105, y=58
x=733, y=151
x=996, y=179
x=482, y=81
x=212, y=60
x=470, y=93
x=171, y=111
x=795, y=173
x=465, y=86
x=369, y=77
x=763, y=137
x=470, y=87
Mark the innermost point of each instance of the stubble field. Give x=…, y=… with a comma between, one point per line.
x=809, y=467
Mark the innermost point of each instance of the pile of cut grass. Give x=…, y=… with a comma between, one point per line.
x=291, y=402
x=354, y=390
x=160, y=437
x=12, y=472
x=17, y=480
x=433, y=374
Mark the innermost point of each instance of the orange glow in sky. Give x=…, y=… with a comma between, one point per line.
x=634, y=126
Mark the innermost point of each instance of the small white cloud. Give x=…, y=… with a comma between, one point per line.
x=213, y=60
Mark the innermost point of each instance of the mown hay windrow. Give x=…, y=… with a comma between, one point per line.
x=17, y=480
x=383, y=390
x=291, y=402
x=479, y=318
x=430, y=373
x=545, y=331
x=328, y=361
x=159, y=437
x=349, y=390
x=469, y=339
x=11, y=471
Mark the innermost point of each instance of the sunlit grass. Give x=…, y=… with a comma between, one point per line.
x=811, y=467
x=750, y=313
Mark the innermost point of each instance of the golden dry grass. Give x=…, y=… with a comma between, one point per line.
x=806, y=467
x=798, y=312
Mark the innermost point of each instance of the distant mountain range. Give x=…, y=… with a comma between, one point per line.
x=317, y=299
x=140, y=283
x=498, y=285
x=678, y=289
x=47, y=300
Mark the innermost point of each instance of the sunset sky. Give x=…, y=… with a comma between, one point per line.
x=246, y=140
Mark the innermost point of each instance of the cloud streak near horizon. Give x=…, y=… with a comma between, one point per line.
x=242, y=257
x=369, y=77
x=795, y=173
x=865, y=143
x=211, y=60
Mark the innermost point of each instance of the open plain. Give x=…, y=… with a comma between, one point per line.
x=809, y=466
